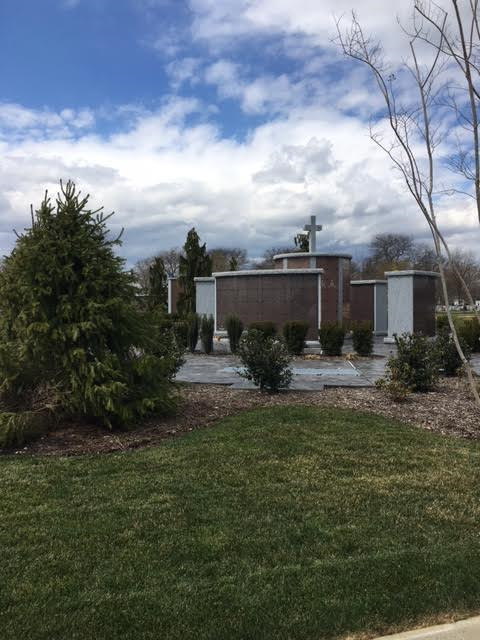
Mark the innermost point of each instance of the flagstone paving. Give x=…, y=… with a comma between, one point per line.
x=308, y=375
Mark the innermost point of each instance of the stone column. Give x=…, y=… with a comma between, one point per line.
x=411, y=302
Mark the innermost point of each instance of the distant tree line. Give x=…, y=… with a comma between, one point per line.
x=395, y=251
x=386, y=252
x=187, y=263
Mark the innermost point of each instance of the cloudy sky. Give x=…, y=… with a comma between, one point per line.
x=238, y=117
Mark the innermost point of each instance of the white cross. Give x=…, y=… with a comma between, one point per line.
x=312, y=229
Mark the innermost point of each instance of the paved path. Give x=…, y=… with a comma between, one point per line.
x=309, y=375
x=463, y=630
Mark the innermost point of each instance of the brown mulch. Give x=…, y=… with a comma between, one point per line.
x=449, y=410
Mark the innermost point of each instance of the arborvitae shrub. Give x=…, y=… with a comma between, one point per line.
x=469, y=332
x=234, y=327
x=193, y=324
x=416, y=365
x=362, y=337
x=331, y=336
x=269, y=329
x=266, y=361
x=180, y=331
x=73, y=340
x=207, y=329
x=295, y=334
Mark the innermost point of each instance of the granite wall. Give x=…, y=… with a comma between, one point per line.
x=277, y=298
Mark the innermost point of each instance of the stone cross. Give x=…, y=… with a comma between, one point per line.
x=312, y=229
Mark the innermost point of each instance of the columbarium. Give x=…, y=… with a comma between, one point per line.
x=315, y=287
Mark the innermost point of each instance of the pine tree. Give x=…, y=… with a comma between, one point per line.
x=157, y=284
x=194, y=263
x=72, y=338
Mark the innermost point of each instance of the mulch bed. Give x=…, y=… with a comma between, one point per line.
x=448, y=410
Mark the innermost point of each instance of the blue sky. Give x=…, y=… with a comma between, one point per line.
x=237, y=116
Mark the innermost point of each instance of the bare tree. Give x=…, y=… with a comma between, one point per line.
x=171, y=260
x=469, y=268
x=457, y=38
x=268, y=262
x=415, y=121
x=391, y=247
x=222, y=258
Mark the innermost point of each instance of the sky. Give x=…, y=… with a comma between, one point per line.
x=239, y=117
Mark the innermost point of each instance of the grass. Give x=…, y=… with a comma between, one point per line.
x=286, y=523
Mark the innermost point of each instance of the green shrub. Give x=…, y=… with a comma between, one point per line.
x=165, y=341
x=269, y=329
x=395, y=390
x=180, y=331
x=469, y=332
x=72, y=337
x=362, y=336
x=207, y=329
x=193, y=330
x=266, y=361
x=332, y=336
x=442, y=323
x=19, y=427
x=448, y=359
x=295, y=334
x=416, y=365
x=234, y=327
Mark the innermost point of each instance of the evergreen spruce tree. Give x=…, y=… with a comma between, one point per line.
x=72, y=338
x=157, y=284
x=193, y=264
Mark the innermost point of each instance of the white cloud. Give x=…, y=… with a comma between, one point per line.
x=183, y=70
x=168, y=173
x=314, y=23
x=16, y=120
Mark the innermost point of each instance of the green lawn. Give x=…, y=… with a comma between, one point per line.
x=284, y=523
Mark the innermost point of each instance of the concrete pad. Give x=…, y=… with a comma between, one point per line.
x=462, y=630
x=309, y=375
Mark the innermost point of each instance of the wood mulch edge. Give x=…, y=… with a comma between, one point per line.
x=449, y=410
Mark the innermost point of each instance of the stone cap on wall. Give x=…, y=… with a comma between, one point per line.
x=352, y=282
x=428, y=274
x=204, y=279
x=315, y=254
x=266, y=272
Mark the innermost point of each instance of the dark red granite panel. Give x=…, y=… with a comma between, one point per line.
x=424, y=294
x=362, y=303
x=269, y=297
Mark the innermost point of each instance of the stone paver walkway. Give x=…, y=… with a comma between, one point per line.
x=462, y=630
x=309, y=375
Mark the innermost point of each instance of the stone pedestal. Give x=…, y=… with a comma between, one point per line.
x=411, y=302
x=368, y=300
